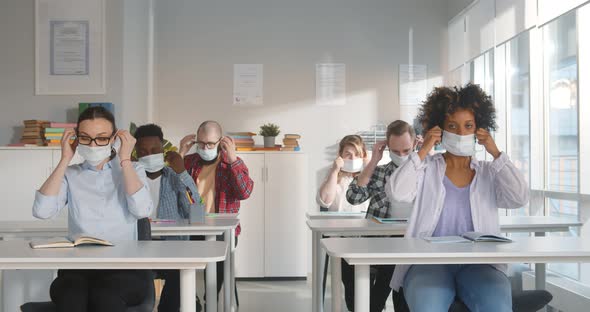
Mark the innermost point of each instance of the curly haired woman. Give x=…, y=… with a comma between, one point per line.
x=454, y=193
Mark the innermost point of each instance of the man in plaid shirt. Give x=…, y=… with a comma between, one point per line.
x=370, y=184
x=222, y=177
x=227, y=181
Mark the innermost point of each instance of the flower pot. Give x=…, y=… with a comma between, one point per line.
x=269, y=141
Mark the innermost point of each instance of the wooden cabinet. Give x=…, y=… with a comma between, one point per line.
x=273, y=239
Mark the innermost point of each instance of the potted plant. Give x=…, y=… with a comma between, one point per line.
x=269, y=131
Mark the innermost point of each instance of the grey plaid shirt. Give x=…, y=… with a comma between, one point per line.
x=374, y=190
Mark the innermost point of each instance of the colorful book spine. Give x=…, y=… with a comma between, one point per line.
x=55, y=130
x=83, y=106
x=63, y=125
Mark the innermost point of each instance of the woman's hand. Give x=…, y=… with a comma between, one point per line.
x=338, y=164
x=127, y=144
x=68, y=150
x=186, y=144
x=485, y=138
x=433, y=137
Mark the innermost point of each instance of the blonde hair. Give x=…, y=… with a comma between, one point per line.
x=355, y=141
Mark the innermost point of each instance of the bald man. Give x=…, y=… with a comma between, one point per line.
x=222, y=177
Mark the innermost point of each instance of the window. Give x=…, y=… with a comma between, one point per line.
x=561, y=103
x=518, y=106
x=481, y=72
x=560, y=92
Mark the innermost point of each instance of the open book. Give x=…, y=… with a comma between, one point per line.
x=469, y=237
x=66, y=242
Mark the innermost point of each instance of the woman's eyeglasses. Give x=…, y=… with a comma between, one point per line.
x=100, y=141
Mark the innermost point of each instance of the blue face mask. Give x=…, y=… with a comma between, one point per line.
x=207, y=154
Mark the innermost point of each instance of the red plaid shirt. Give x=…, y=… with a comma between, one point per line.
x=232, y=182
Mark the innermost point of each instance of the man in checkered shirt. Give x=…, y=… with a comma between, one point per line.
x=222, y=177
x=370, y=184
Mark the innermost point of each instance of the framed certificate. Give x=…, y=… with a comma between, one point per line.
x=69, y=47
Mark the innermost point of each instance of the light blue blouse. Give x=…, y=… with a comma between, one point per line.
x=98, y=204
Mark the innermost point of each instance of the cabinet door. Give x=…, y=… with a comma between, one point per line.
x=286, y=201
x=23, y=172
x=250, y=251
x=77, y=159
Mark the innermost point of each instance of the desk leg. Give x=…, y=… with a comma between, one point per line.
x=540, y=271
x=316, y=279
x=210, y=282
x=233, y=269
x=188, y=287
x=1, y=292
x=362, y=290
x=336, y=272
x=227, y=273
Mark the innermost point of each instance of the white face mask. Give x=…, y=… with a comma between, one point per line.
x=207, y=154
x=460, y=145
x=94, y=155
x=353, y=165
x=397, y=159
x=152, y=163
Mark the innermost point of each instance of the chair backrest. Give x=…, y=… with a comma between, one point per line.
x=144, y=229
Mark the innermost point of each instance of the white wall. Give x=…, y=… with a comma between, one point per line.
x=197, y=43
x=454, y=7
x=17, y=79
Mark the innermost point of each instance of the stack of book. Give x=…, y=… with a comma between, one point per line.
x=55, y=132
x=244, y=140
x=291, y=142
x=33, y=132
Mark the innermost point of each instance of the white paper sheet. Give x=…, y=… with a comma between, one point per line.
x=69, y=47
x=413, y=84
x=248, y=85
x=330, y=84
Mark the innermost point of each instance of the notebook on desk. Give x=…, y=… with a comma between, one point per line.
x=390, y=220
x=469, y=237
x=65, y=242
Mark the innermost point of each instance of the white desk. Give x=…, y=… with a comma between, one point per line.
x=315, y=215
x=214, y=225
x=363, y=252
x=146, y=255
x=538, y=225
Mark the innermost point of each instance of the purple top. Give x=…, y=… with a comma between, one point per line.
x=455, y=218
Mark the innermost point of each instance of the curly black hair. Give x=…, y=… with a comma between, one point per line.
x=149, y=130
x=443, y=101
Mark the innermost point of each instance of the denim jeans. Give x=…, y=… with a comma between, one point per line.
x=433, y=288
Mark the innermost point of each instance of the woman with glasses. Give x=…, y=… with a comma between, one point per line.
x=105, y=195
x=454, y=193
